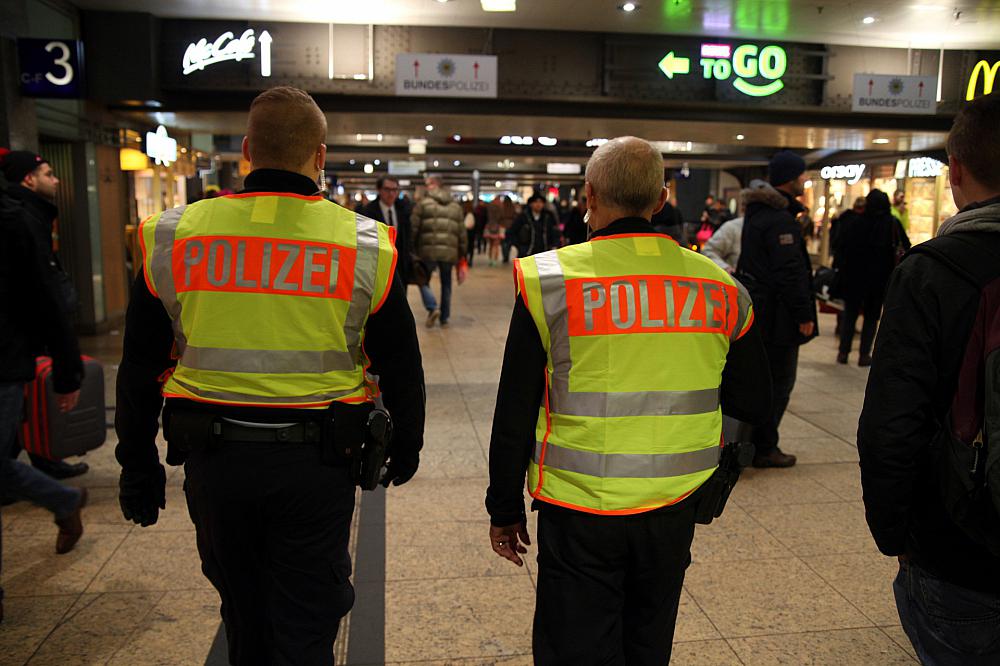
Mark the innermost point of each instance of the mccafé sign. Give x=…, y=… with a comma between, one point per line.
x=989, y=74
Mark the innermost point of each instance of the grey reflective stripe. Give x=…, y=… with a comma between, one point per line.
x=553, y=288
x=743, y=304
x=639, y=403
x=627, y=465
x=246, y=398
x=161, y=267
x=365, y=274
x=162, y=263
x=266, y=361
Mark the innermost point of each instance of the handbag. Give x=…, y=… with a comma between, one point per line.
x=419, y=275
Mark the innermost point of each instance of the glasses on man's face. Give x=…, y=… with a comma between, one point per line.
x=391, y=189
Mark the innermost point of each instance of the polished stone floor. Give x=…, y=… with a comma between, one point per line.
x=789, y=575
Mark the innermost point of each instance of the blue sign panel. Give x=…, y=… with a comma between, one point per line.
x=51, y=67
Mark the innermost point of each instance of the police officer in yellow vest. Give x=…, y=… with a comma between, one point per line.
x=257, y=316
x=623, y=353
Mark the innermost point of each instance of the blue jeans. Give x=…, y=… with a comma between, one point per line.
x=947, y=624
x=444, y=268
x=22, y=481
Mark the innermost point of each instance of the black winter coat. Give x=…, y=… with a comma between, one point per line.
x=774, y=265
x=864, y=255
x=33, y=308
x=404, y=242
x=531, y=236
x=928, y=317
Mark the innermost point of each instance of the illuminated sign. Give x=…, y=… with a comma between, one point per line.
x=894, y=93
x=747, y=61
x=226, y=47
x=50, y=67
x=989, y=78
x=925, y=167
x=850, y=172
x=162, y=148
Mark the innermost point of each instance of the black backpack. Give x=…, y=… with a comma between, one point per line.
x=967, y=445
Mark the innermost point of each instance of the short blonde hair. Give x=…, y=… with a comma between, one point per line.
x=285, y=128
x=627, y=172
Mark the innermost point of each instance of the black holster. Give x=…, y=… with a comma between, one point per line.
x=715, y=492
x=361, y=434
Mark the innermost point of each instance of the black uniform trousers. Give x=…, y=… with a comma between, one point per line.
x=784, y=362
x=609, y=586
x=871, y=305
x=273, y=524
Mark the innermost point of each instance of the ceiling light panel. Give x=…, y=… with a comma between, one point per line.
x=499, y=5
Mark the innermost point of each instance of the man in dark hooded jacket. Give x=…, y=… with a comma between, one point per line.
x=774, y=266
x=948, y=586
x=866, y=255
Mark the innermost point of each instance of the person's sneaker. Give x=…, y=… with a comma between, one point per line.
x=774, y=458
x=842, y=359
x=864, y=361
x=71, y=527
x=444, y=324
x=432, y=318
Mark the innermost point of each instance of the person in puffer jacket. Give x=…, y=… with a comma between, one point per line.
x=440, y=240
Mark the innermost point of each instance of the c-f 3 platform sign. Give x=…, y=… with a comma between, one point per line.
x=987, y=72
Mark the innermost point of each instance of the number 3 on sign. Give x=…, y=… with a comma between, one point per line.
x=62, y=61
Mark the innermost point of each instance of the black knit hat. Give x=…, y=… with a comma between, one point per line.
x=785, y=167
x=19, y=163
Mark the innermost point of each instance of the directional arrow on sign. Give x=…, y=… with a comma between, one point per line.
x=265, y=53
x=672, y=64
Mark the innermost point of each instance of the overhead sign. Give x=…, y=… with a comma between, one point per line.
x=890, y=93
x=407, y=167
x=754, y=71
x=925, y=167
x=988, y=72
x=161, y=147
x=446, y=75
x=50, y=67
x=227, y=46
x=850, y=172
x=563, y=168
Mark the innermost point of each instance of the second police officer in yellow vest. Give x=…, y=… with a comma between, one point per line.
x=257, y=316
x=622, y=355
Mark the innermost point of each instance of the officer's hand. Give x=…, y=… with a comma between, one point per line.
x=400, y=469
x=67, y=401
x=807, y=328
x=142, y=494
x=506, y=541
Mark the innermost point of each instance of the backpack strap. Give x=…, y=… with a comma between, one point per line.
x=967, y=254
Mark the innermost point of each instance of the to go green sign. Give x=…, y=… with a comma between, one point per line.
x=769, y=63
x=746, y=62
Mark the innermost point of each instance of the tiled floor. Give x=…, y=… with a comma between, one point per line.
x=789, y=575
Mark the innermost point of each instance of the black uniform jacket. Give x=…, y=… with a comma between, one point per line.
x=33, y=309
x=928, y=318
x=404, y=245
x=390, y=342
x=774, y=254
x=746, y=395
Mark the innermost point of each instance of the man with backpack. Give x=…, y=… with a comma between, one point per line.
x=932, y=411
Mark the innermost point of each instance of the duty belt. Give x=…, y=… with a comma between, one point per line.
x=231, y=430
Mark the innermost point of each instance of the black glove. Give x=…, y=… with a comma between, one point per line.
x=401, y=469
x=142, y=494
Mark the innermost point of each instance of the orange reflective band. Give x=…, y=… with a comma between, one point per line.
x=612, y=512
x=145, y=255
x=746, y=327
x=263, y=265
x=392, y=270
x=650, y=304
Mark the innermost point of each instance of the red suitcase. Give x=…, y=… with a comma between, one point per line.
x=53, y=434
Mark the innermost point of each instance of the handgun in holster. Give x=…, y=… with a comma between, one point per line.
x=361, y=434
x=715, y=492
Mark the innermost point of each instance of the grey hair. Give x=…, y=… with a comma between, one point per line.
x=627, y=172
x=434, y=176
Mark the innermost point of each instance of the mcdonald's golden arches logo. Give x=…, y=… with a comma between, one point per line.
x=989, y=78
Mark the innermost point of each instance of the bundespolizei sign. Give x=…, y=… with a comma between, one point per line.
x=891, y=93
x=446, y=75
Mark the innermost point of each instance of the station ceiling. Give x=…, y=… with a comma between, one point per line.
x=951, y=24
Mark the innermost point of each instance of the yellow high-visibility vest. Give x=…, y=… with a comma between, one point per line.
x=269, y=295
x=636, y=330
